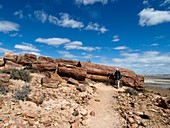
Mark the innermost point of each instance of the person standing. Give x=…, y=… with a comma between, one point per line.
x=117, y=77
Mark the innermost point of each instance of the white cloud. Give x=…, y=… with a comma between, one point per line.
x=30, y=52
x=148, y=62
x=116, y=38
x=86, y=2
x=121, y=48
x=79, y=46
x=26, y=47
x=96, y=27
x=41, y=15
x=0, y=43
x=154, y=44
x=3, y=50
x=7, y=26
x=16, y=34
x=1, y=6
x=146, y=2
x=19, y=14
x=67, y=55
x=53, y=41
x=65, y=21
x=149, y=17
x=166, y=2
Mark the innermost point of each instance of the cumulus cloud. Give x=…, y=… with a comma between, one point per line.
x=19, y=14
x=149, y=17
x=7, y=26
x=41, y=15
x=116, y=38
x=148, y=62
x=65, y=21
x=121, y=48
x=26, y=47
x=53, y=41
x=79, y=46
x=96, y=27
x=87, y=2
x=67, y=55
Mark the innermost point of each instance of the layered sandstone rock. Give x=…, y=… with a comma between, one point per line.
x=2, y=61
x=10, y=56
x=26, y=59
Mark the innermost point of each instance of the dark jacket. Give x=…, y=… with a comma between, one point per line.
x=117, y=75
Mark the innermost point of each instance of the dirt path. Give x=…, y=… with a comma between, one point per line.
x=105, y=115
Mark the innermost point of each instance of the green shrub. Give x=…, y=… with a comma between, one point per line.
x=22, y=94
x=20, y=74
x=3, y=89
x=6, y=71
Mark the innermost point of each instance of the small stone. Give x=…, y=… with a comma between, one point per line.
x=75, y=113
x=84, y=112
x=81, y=88
x=97, y=100
x=92, y=113
x=29, y=114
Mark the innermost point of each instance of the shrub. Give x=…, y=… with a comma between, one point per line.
x=6, y=71
x=22, y=94
x=20, y=74
x=3, y=89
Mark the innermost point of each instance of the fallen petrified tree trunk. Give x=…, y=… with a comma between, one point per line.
x=74, y=72
x=98, y=78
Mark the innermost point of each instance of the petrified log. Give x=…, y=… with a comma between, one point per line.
x=43, y=58
x=44, y=66
x=98, y=72
x=97, y=69
x=73, y=72
x=66, y=62
x=98, y=78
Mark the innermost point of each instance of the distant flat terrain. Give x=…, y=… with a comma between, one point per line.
x=162, y=81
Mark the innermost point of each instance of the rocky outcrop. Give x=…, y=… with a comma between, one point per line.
x=10, y=56
x=26, y=59
x=77, y=70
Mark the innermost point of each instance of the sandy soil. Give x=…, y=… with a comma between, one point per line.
x=101, y=105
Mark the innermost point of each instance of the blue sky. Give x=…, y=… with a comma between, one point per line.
x=133, y=34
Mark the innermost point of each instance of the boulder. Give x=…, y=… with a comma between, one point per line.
x=10, y=56
x=72, y=81
x=50, y=83
x=4, y=78
x=1, y=61
x=47, y=59
x=26, y=59
x=81, y=88
x=11, y=65
x=44, y=66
